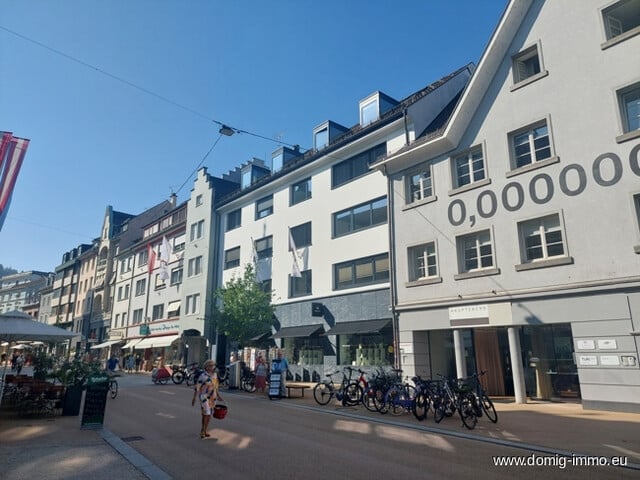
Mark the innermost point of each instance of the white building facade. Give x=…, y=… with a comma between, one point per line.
x=516, y=230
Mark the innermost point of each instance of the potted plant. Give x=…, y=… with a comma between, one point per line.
x=42, y=365
x=73, y=375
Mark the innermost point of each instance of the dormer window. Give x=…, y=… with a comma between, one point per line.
x=321, y=138
x=369, y=113
x=374, y=106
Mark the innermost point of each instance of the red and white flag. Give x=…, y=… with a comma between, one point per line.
x=12, y=152
x=151, y=258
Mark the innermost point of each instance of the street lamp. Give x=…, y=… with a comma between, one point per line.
x=228, y=131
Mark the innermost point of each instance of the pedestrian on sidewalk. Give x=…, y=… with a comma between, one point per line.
x=138, y=360
x=19, y=363
x=261, y=373
x=207, y=393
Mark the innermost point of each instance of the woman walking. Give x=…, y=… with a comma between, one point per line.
x=207, y=392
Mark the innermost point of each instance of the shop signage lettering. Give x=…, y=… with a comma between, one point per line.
x=513, y=194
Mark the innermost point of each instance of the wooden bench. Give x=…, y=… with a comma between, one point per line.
x=296, y=386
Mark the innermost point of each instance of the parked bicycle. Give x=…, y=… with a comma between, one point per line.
x=189, y=374
x=482, y=402
x=348, y=393
x=456, y=396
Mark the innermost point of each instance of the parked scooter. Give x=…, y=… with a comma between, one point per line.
x=161, y=375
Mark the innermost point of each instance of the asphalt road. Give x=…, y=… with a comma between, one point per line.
x=263, y=439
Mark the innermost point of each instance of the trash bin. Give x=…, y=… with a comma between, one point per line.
x=235, y=371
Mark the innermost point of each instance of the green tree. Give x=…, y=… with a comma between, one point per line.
x=244, y=308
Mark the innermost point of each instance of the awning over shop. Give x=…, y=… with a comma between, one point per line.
x=105, y=344
x=361, y=326
x=302, y=331
x=131, y=343
x=162, y=341
x=262, y=336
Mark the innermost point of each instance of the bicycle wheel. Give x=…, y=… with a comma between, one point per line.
x=379, y=401
x=249, y=384
x=352, y=395
x=322, y=393
x=467, y=410
x=421, y=406
x=488, y=408
x=177, y=377
x=163, y=380
x=113, y=388
x=368, y=399
x=396, y=400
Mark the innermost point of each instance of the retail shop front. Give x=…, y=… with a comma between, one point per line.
x=154, y=350
x=364, y=343
x=304, y=348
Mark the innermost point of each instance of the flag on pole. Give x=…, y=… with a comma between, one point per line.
x=12, y=152
x=151, y=258
x=165, y=254
x=295, y=271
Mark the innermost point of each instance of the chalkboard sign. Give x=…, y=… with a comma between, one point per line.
x=95, y=401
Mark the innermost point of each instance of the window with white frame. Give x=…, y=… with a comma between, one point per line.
x=194, y=266
x=629, y=102
x=157, y=312
x=475, y=251
x=143, y=257
x=198, y=200
x=530, y=145
x=423, y=262
x=197, y=230
x=176, y=276
x=541, y=238
x=264, y=207
x=232, y=258
x=527, y=64
x=622, y=19
x=420, y=185
x=141, y=287
x=137, y=316
x=192, y=306
x=468, y=167
x=124, y=319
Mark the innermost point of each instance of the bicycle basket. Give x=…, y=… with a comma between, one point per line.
x=220, y=411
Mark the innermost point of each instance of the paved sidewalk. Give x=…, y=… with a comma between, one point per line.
x=57, y=448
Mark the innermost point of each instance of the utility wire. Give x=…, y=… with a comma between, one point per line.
x=141, y=89
x=200, y=164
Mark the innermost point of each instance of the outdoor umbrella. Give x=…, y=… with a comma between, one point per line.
x=18, y=326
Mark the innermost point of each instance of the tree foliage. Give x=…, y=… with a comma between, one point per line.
x=244, y=309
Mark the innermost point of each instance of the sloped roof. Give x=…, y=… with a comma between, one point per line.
x=427, y=146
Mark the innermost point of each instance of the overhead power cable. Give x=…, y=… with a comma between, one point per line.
x=143, y=89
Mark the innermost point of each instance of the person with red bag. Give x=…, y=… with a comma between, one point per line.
x=207, y=392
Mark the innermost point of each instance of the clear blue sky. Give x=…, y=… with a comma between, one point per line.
x=273, y=68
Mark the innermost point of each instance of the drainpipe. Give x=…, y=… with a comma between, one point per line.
x=392, y=276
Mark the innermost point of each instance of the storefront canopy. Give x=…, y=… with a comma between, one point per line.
x=105, y=344
x=302, y=331
x=152, y=342
x=361, y=326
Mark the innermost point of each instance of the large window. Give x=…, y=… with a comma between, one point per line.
x=356, y=166
x=194, y=266
x=468, y=167
x=420, y=185
x=137, y=316
x=193, y=304
x=141, y=287
x=176, y=276
x=234, y=219
x=264, y=247
x=301, y=235
x=541, y=238
x=299, y=286
x=232, y=258
x=197, y=230
x=530, y=145
x=300, y=191
x=371, y=349
x=423, y=262
x=264, y=207
x=622, y=19
x=629, y=101
x=475, y=251
x=360, y=217
x=157, y=312
x=363, y=271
